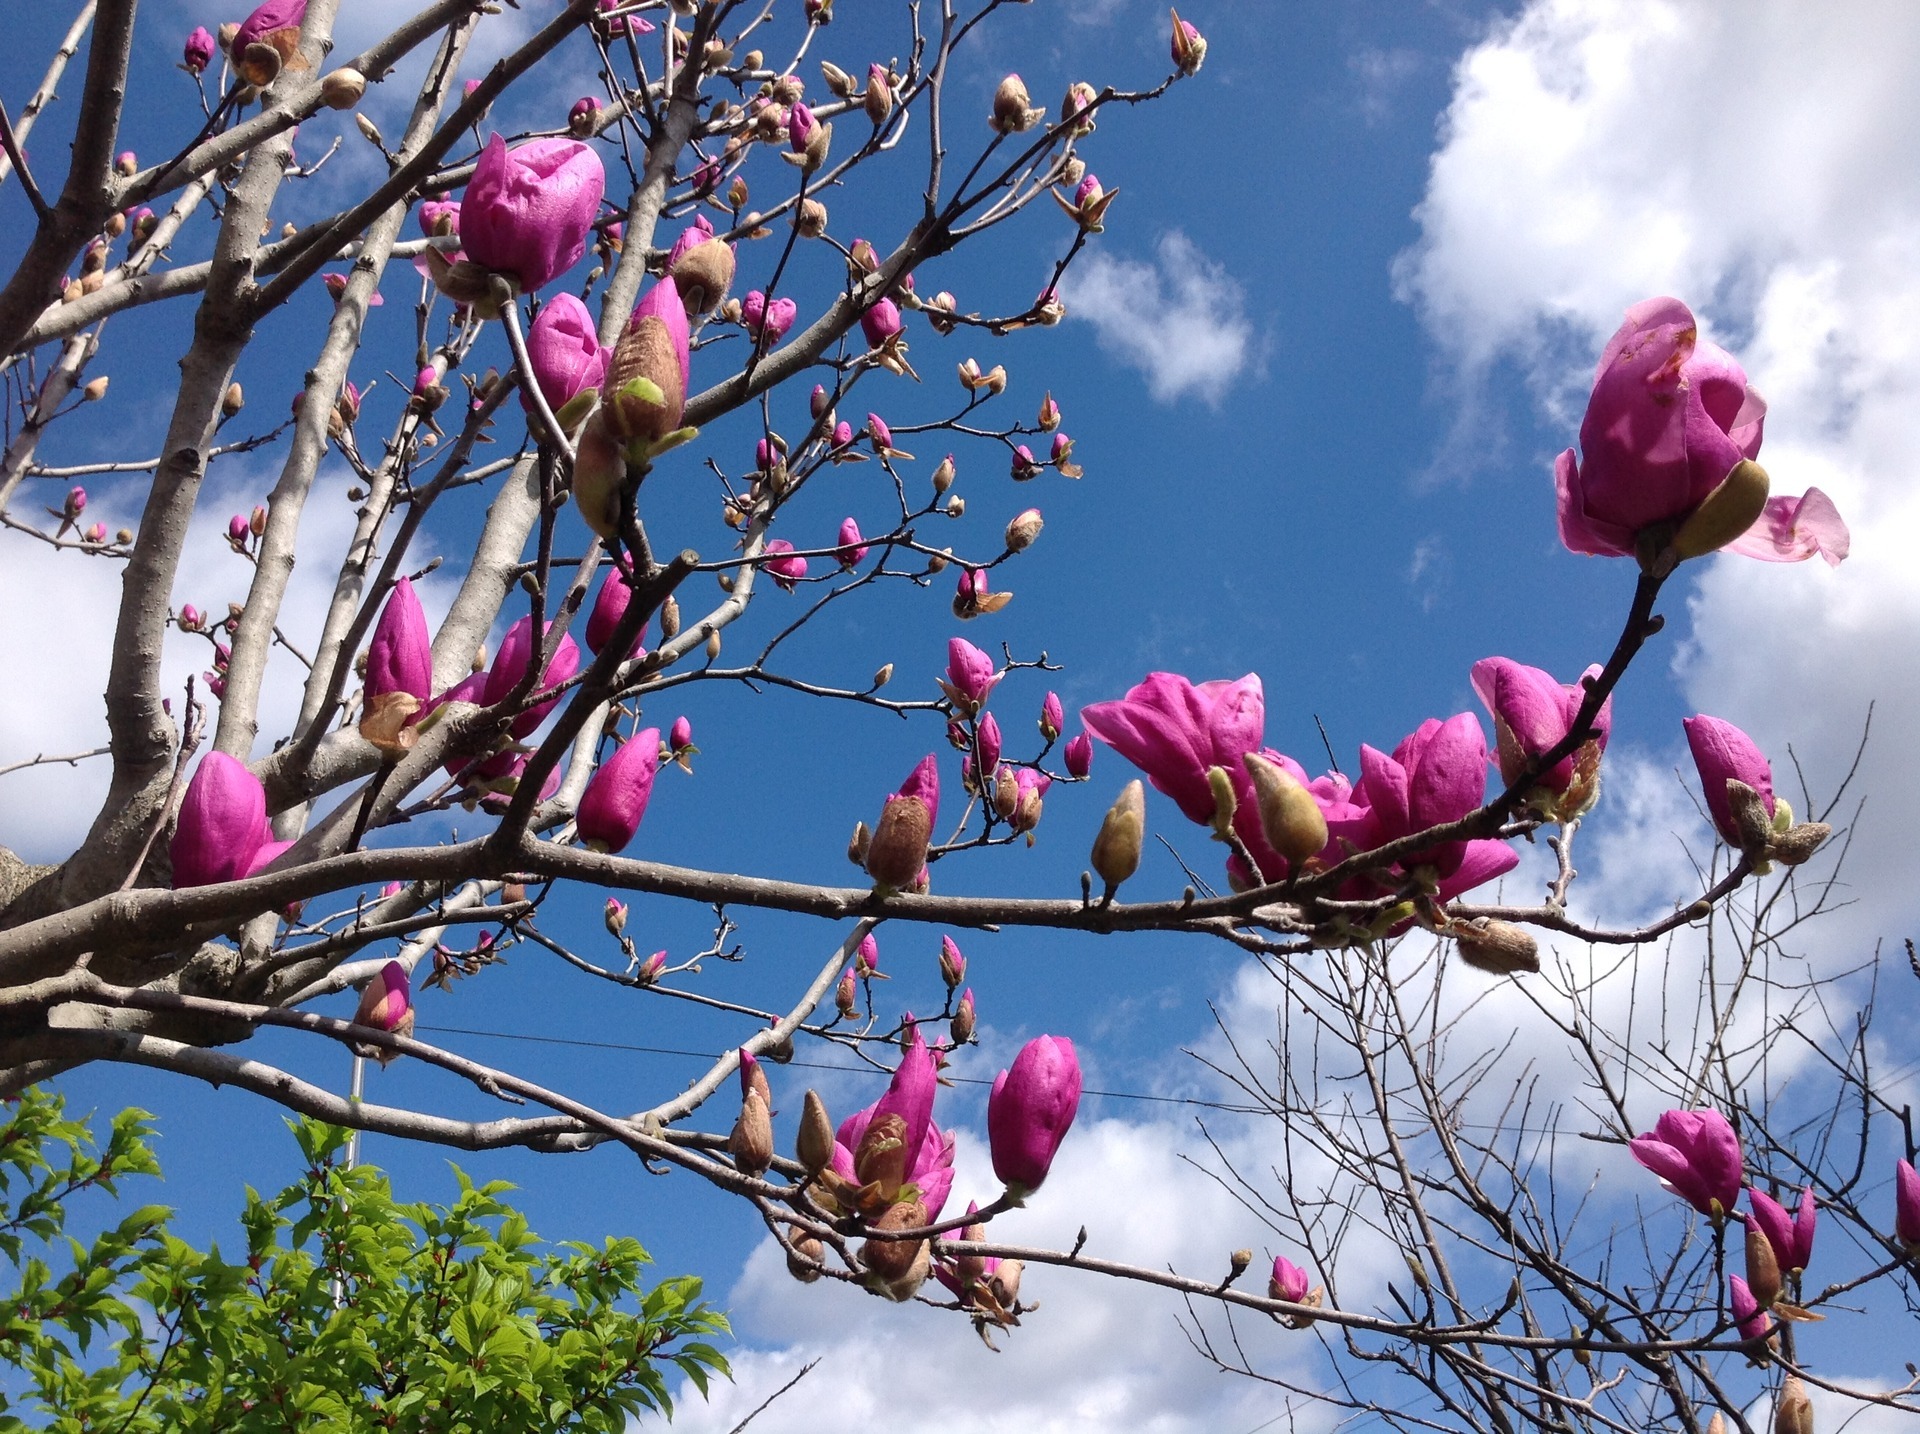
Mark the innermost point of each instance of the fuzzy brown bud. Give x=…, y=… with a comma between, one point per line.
x=1794, y=1413
x=342, y=89
x=899, y=846
x=1497, y=946
x=670, y=619
x=232, y=401
x=95, y=390
x=751, y=1144
x=812, y=221
x=1763, y=1268
x=1023, y=529
x=813, y=1146
x=805, y=1256
x=858, y=843
x=1012, y=111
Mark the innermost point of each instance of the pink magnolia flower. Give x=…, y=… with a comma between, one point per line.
x=1747, y=1314
x=1906, y=1203
x=266, y=22
x=852, y=551
x=1792, y=1240
x=1723, y=753
x=386, y=1002
x=1669, y=417
x=785, y=571
x=223, y=823
x=1437, y=774
x=1174, y=731
x=879, y=434
x=439, y=218
x=563, y=345
x=953, y=966
x=199, y=50
x=774, y=319
x=1531, y=715
x=987, y=737
x=1052, y=718
x=881, y=323
x=609, y=606
x=616, y=796
x=1079, y=755
x=697, y=232
x=510, y=665
x=971, y=676
x=1030, y=789
x=1791, y=530
x=680, y=735
x=1697, y=1157
x=400, y=656
x=1032, y=1104
x=866, y=957
x=528, y=210
x=1289, y=1281
x=800, y=127
x=583, y=111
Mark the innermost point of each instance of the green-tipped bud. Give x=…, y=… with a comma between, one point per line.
x=1225, y=802
x=1292, y=821
x=1725, y=513
x=1116, y=850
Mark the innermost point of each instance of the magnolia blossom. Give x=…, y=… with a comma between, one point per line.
x=510, y=665
x=609, y=606
x=1722, y=753
x=771, y=319
x=528, y=210
x=1670, y=417
x=1791, y=1239
x=223, y=823
x=616, y=797
x=1032, y=1104
x=1289, y=1281
x=971, y=676
x=881, y=323
x=1751, y=1320
x=852, y=550
x=651, y=368
x=400, y=656
x=786, y=571
x=1697, y=1156
x=563, y=345
x=199, y=50
x=1079, y=755
x=1906, y=1203
x=1532, y=714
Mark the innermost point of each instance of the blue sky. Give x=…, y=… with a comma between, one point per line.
x=1317, y=368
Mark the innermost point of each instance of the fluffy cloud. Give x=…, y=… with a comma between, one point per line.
x=45, y=811
x=1761, y=162
x=1098, y=1354
x=1180, y=320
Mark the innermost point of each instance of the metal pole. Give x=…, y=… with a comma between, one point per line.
x=353, y=1094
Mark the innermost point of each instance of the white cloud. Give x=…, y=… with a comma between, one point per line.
x=45, y=811
x=1099, y=1354
x=1760, y=161
x=1180, y=320
x=1379, y=75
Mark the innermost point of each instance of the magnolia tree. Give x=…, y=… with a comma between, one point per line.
x=596, y=299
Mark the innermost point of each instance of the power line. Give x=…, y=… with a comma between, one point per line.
x=823, y=1066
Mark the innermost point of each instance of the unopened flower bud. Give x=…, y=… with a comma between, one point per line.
x=960, y=1028
x=1225, y=801
x=1290, y=819
x=878, y=100
x=369, y=131
x=257, y=524
x=1012, y=113
x=1076, y=111
x=1763, y=1267
x=342, y=89
x=232, y=401
x=883, y=675
x=1794, y=1413
x=713, y=646
x=805, y=1255
x=1497, y=946
x=844, y=999
x=1006, y=793
x=751, y=1143
x=1725, y=513
x=812, y=221
x=1189, y=46
x=95, y=390
x=616, y=916
x=670, y=618
x=1024, y=528
x=1116, y=850
x=813, y=1146
x=126, y=165
x=839, y=82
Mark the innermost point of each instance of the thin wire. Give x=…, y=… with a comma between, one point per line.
x=823, y=1066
